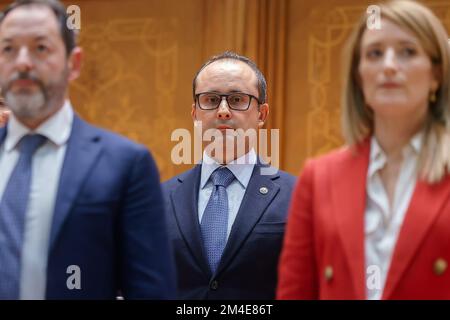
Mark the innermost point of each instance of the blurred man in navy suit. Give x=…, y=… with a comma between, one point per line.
x=81, y=209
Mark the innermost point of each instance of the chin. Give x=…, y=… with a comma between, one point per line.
x=226, y=140
x=388, y=104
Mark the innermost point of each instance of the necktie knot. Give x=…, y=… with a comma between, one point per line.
x=30, y=143
x=222, y=177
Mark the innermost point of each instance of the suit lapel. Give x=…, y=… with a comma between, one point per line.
x=349, y=196
x=252, y=207
x=185, y=203
x=82, y=151
x=421, y=214
x=2, y=135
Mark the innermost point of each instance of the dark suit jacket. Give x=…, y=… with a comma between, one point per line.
x=108, y=220
x=248, y=268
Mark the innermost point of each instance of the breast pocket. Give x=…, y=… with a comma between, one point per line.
x=270, y=227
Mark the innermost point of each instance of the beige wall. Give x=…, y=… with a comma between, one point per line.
x=141, y=55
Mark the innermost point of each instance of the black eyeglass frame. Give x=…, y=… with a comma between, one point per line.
x=197, y=102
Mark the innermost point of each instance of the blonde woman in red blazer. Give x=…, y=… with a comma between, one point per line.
x=372, y=220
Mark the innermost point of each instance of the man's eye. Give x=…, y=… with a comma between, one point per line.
x=212, y=99
x=42, y=48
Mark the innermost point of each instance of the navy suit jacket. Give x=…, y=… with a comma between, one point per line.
x=248, y=268
x=108, y=220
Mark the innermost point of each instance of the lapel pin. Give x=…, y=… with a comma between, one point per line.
x=263, y=190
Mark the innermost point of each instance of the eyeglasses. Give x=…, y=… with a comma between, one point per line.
x=236, y=101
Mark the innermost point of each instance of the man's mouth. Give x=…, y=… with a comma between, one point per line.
x=23, y=83
x=224, y=127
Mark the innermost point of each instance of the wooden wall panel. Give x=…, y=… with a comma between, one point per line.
x=317, y=31
x=141, y=55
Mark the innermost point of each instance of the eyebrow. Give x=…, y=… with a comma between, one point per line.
x=43, y=37
x=228, y=91
x=37, y=38
x=401, y=42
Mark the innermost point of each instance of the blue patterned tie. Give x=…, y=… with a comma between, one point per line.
x=13, y=208
x=215, y=218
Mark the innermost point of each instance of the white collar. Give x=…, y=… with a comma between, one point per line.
x=378, y=157
x=242, y=168
x=56, y=129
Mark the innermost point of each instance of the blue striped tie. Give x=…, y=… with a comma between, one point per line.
x=13, y=208
x=215, y=218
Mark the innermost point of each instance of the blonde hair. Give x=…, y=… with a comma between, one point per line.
x=357, y=118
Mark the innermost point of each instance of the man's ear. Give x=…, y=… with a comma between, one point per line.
x=75, y=61
x=193, y=112
x=263, y=114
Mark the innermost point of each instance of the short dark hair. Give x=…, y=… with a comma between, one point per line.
x=229, y=55
x=67, y=34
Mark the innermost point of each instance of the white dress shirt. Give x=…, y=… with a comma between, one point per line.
x=242, y=168
x=46, y=169
x=382, y=221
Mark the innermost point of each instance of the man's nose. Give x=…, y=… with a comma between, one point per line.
x=223, y=111
x=24, y=61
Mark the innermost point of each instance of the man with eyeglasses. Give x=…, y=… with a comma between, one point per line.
x=226, y=217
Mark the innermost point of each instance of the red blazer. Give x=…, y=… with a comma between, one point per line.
x=323, y=252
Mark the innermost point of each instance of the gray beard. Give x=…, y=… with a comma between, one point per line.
x=27, y=106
